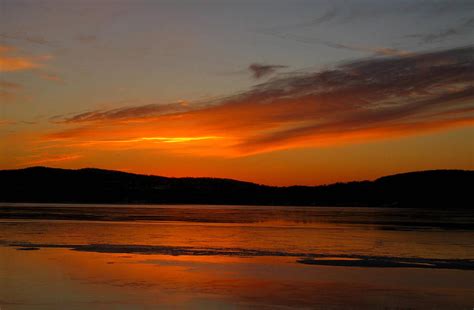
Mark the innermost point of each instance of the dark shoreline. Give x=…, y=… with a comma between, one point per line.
x=434, y=189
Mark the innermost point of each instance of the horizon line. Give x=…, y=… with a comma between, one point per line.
x=237, y=180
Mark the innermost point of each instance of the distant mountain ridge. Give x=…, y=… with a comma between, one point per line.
x=431, y=189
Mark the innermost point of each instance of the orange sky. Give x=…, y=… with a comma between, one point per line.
x=139, y=99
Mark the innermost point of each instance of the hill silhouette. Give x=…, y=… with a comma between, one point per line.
x=430, y=189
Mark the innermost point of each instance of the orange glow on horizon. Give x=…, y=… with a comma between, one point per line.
x=167, y=139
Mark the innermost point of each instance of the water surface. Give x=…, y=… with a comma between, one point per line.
x=135, y=256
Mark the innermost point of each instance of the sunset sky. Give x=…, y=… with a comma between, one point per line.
x=273, y=92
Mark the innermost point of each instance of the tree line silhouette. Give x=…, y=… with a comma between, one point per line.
x=424, y=189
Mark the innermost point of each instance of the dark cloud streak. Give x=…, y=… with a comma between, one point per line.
x=463, y=28
x=413, y=92
x=38, y=40
x=259, y=71
x=124, y=113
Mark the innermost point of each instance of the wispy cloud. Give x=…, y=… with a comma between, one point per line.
x=49, y=76
x=45, y=159
x=10, y=85
x=23, y=37
x=356, y=101
x=11, y=60
x=9, y=91
x=463, y=28
x=7, y=96
x=259, y=70
x=87, y=39
x=4, y=122
x=376, y=51
x=126, y=113
x=325, y=17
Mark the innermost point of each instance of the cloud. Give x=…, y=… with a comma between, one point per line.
x=127, y=113
x=49, y=76
x=26, y=38
x=87, y=39
x=463, y=28
x=10, y=85
x=9, y=91
x=4, y=122
x=45, y=159
x=374, y=98
x=7, y=96
x=258, y=70
x=376, y=51
x=387, y=51
x=345, y=12
x=9, y=62
x=328, y=16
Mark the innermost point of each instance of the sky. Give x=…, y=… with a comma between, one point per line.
x=273, y=92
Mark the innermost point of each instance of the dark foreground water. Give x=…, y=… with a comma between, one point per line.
x=146, y=257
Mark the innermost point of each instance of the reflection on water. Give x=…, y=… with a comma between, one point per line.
x=262, y=270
